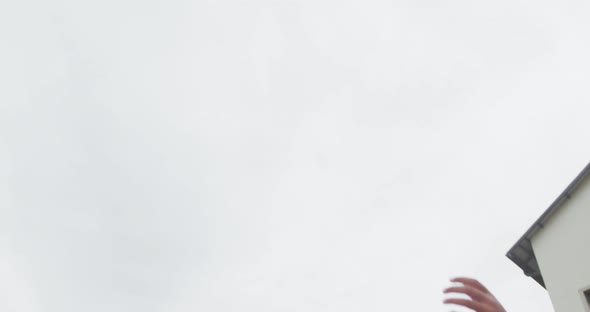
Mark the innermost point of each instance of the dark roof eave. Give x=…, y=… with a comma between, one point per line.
x=522, y=253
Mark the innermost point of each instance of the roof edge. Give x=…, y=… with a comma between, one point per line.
x=522, y=253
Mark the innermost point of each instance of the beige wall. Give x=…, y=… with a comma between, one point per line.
x=562, y=249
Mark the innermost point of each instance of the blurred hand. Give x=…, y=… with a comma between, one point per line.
x=480, y=298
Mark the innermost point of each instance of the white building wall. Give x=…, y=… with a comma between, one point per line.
x=562, y=249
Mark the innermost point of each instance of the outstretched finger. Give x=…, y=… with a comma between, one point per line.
x=471, y=282
x=470, y=291
x=473, y=305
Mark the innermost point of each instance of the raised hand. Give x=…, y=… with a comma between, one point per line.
x=480, y=298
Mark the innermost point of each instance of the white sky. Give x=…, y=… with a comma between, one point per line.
x=281, y=155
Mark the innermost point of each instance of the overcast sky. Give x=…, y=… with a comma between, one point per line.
x=263, y=155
